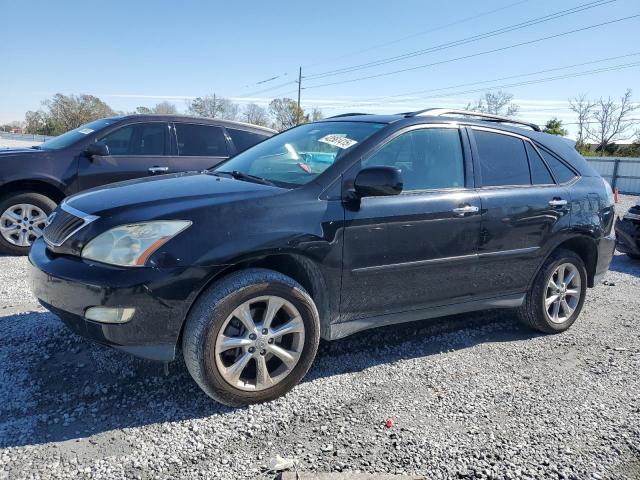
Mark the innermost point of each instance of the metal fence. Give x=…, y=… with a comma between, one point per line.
x=25, y=136
x=620, y=172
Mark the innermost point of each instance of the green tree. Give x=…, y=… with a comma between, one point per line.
x=143, y=110
x=554, y=127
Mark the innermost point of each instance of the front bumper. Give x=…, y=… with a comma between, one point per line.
x=68, y=285
x=628, y=236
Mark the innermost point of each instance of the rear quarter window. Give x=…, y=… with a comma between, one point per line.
x=562, y=172
x=243, y=139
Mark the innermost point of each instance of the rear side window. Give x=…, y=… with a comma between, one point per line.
x=503, y=160
x=200, y=140
x=540, y=174
x=137, y=139
x=561, y=171
x=243, y=139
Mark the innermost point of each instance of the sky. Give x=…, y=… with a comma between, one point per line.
x=419, y=53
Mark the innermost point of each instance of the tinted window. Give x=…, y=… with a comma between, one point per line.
x=428, y=158
x=503, y=160
x=77, y=134
x=539, y=172
x=243, y=139
x=561, y=171
x=200, y=141
x=137, y=139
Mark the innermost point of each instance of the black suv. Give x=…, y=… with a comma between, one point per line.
x=324, y=230
x=34, y=180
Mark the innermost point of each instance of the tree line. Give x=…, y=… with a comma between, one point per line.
x=601, y=123
x=62, y=113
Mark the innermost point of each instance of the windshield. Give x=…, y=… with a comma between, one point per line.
x=299, y=155
x=72, y=136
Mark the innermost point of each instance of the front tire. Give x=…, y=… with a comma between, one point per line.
x=22, y=218
x=557, y=294
x=251, y=337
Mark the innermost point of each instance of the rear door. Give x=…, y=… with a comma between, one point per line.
x=135, y=150
x=416, y=249
x=522, y=208
x=198, y=146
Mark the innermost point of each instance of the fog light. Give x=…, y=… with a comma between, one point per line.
x=109, y=314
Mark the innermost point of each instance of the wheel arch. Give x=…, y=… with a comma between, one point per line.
x=297, y=266
x=582, y=245
x=43, y=186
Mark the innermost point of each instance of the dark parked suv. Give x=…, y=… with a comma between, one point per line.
x=33, y=181
x=324, y=230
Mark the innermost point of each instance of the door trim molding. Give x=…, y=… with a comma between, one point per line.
x=435, y=261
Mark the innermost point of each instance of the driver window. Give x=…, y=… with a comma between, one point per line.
x=429, y=158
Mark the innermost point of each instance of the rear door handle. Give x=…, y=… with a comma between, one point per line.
x=557, y=202
x=158, y=170
x=466, y=209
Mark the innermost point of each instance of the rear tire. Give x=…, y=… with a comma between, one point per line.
x=16, y=233
x=557, y=295
x=230, y=338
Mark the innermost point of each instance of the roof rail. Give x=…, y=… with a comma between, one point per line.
x=437, y=112
x=348, y=114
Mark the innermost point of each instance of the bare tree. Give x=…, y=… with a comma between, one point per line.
x=213, y=106
x=611, y=121
x=165, y=108
x=256, y=115
x=496, y=103
x=316, y=114
x=583, y=108
x=285, y=113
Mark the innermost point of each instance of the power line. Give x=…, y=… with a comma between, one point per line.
x=504, y=78
x=485, y=52
x=463, y=41
x=413, y=35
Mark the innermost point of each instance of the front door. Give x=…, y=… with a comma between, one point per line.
x=135, y=150
x=416, y=249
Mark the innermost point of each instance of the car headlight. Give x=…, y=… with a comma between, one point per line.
x=132, y=245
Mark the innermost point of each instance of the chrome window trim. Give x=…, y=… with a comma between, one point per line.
x=86, y=218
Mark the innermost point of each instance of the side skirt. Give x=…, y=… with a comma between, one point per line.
x=341, y=330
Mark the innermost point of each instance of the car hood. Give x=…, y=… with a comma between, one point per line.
x=173, y=192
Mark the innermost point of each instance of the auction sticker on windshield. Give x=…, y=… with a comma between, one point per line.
x=338, y=140
x=86, y=131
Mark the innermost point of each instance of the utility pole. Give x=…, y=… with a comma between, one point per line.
x=299, y=90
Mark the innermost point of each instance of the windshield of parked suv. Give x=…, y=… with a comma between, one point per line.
x=72, y=136
x=299, y=155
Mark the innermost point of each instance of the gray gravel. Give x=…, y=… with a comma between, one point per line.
x=471, y=396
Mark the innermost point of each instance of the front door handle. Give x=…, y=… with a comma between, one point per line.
x=466, y=209
x=557, y=202
x=154, y=170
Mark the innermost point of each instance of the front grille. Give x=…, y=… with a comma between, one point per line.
x=63, y=225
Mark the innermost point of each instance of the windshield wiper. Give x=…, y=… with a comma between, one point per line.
x=238, y=175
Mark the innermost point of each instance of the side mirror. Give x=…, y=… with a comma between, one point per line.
x=97, y=149
x=378, y=181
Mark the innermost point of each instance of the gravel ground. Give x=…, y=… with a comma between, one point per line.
x=471, y=396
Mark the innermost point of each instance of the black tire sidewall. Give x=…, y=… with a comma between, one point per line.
x=208, y=376
x=541, y=288
x=32, y=198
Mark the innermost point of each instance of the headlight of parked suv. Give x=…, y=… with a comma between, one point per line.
x=132, y=245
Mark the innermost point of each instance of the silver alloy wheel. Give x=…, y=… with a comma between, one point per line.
x=260, y=343
x=563, y=293
x=22, y=224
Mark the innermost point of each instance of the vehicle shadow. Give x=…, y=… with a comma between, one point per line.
x=57, y=386
x=623, y=264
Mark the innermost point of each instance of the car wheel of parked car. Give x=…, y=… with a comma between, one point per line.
x=22, y=217
x=251, y=337
x=557, y=295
